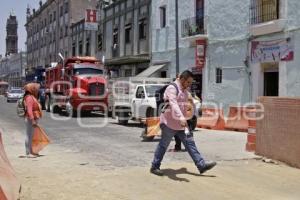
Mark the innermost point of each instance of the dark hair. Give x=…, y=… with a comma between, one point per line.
x=186, y=74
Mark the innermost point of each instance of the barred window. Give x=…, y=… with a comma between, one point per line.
x=219, y=75
x=264, y=11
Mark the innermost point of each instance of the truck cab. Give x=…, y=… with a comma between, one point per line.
x=144, y=101
x=133, y=98
x=78, y=85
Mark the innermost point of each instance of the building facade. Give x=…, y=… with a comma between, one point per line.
x=48, y=30
x=12, y=66
x=274, y=48
x=11, y=35
x=12, y=69
x=4, y=69
x=83, y=41
x=213, y=39
x=124, y=36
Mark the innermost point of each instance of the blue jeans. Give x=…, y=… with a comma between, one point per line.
x=188, y=141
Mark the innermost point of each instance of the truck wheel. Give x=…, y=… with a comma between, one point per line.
x=146, y=138
x=150, y=112
x=122, y=118
x=53, y=108
x=70, y=110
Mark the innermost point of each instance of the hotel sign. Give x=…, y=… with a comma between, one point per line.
x=91, y=21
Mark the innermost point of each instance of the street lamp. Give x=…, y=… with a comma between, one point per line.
x=177, y=37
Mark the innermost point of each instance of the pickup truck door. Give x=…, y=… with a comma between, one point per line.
x=137, y=102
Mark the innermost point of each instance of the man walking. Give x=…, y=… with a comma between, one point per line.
x=174, y=122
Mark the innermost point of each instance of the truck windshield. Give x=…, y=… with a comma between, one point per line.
x=85, y=69
x=151, y=89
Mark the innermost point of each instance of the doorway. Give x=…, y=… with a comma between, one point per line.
x=196, y=87
x=271, y=80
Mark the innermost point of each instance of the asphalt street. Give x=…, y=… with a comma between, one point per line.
x=110, y=162
x=109, y=145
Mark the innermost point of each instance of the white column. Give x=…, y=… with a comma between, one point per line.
x=282, y=79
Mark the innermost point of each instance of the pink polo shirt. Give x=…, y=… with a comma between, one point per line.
x=178, y=106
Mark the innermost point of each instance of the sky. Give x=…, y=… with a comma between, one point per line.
x=19, y=8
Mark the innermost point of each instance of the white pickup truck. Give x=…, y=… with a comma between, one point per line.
x=133, y=98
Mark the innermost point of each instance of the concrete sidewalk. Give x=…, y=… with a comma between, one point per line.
x=65, y=175
x=222, y=145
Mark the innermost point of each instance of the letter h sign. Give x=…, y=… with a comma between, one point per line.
x=91, y=16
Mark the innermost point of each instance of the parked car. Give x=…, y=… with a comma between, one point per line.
x=14, y=94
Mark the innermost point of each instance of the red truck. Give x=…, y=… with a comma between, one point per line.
x=76, y=85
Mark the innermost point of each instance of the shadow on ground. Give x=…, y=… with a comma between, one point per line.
x=173, y=174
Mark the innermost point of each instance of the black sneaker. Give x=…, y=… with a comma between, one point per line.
x=208, y=166
x=156, y=171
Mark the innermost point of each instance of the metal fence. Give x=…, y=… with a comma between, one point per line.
x=192, y=26
x=263, y=11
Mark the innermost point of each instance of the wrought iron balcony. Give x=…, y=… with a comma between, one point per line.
x=264, y=11
x=192, y=27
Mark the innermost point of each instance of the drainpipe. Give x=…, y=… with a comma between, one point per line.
x=248, y=70
x=177, y=37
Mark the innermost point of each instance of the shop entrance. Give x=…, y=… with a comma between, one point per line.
x=271, y=80
x=197, y=85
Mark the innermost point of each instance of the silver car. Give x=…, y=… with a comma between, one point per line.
x=14, y=95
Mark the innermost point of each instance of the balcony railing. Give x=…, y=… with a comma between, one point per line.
x=192, y=27
x=263, y=11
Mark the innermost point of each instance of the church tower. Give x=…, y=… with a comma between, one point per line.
x=11, y=35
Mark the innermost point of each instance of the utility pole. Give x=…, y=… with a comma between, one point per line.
x=177, y=37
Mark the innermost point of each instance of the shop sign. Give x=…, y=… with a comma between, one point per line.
x=272, y=51
x=200, y=54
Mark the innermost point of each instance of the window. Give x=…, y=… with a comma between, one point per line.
x=142, y=29
x=66, y=7
x=54, y=36
x=163, y=17
x=61, y=11
x=50, y=18
x=128, y=34
x=219, y=75
x=99, y=42
x=54, y=16
x=115, y=38
x=140, y=93
x=61, y=32
x=87, y=45
x=80, y=48
x=264, y=11
x=73, y=49
x=66, y=31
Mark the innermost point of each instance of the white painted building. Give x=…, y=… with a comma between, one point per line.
x=219, y=30
x=274, y=48
x=217, y=41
